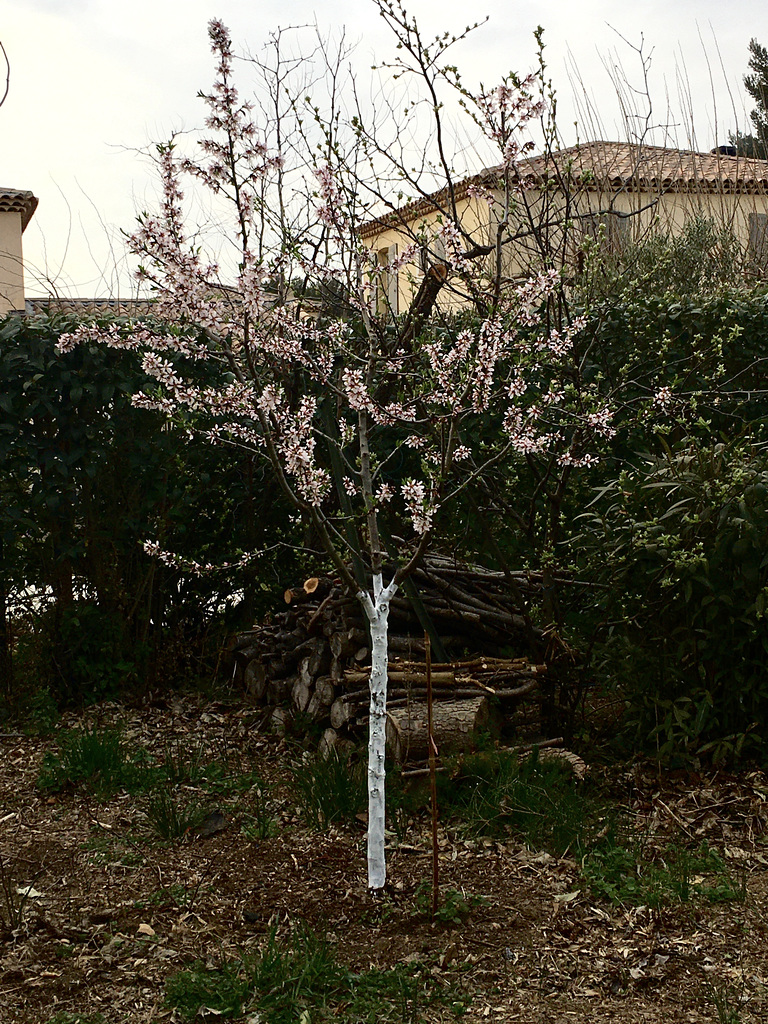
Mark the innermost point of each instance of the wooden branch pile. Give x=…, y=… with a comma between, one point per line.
x=471, y=603
x=313, y=659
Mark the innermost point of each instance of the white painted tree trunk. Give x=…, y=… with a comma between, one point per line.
x=377, y=611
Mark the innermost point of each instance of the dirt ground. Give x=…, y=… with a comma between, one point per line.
x=114, y=913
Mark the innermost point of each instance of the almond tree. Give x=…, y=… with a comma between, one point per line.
x=371, y=429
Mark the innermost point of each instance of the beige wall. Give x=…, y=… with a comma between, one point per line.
x=669, y=211
x=11, y=267
x=645, y=212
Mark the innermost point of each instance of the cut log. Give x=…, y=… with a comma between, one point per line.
x=316, y=710
x=404, y=677
x=342, y=712
x=304, y=673
x=406, y=645
x=255, y=680
x=279, y=690
x=319, y=658
x=280, y=719
x=301, y=693
x=345, y=644
x=325, y=690
x=316, y=663
x=312, y=656
x=332, y=743
x=457, y=727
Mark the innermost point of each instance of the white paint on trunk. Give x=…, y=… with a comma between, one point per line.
x=377, y=611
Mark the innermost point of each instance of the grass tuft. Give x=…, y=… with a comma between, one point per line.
x=169, y=818
x=631, y=875
x=98, y=759
x=329, y=789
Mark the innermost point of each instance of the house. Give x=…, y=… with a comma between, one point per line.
x=16, y=211
x=609, y=193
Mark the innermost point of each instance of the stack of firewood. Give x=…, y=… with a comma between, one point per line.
x=469, y=697
x=313, y=658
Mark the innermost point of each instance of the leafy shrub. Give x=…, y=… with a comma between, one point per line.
x=702, y=258
x=83, y=648
x=678, y=547
x=85, y=477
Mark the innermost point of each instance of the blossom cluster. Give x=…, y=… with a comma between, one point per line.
x=662, y=399
x=505, y=113
x=329, y=207
x=475, y=191
x=233, y=126
x=421, y=506
x=294, y=440
x=424, y=392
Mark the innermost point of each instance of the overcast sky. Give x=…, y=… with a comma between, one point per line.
x=95, y=82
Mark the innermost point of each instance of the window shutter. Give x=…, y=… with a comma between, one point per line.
x=393, y=291
x=758, y=233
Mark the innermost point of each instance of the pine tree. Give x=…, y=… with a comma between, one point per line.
x=756, y=84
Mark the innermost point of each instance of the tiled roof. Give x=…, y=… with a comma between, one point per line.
x=14, y=201
x=94, y=307
x=610, y=166
x=628, y=165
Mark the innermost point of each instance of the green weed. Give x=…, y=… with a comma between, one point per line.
x=406, y=800
x=225, y=781
x=40, y=713
x=454, y=907
x=628, y=875
x=12, y=901
x=260, y=822
x=105, y=764
x=182, y=765
x=493, y=793
x=329, y=789
x=175, y=895
x=64, y=1017
x=98, y=759
x=726, y=1000
x=287, y=978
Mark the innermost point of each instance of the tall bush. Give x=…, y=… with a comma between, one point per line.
x=680, y=544
x=85, y=478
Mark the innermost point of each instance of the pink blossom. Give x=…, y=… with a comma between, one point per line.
x=663, y=399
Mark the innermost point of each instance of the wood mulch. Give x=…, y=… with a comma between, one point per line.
x=113, y=912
